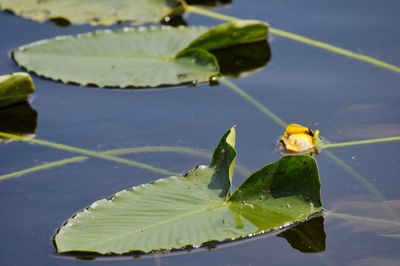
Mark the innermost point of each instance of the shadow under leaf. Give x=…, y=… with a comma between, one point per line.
x=241, y=60
x=19, y=119
x=307, y=237
x=209, y=3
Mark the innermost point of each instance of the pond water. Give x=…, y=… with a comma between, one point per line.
x=345, y=99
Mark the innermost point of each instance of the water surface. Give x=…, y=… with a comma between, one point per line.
x=343, y=98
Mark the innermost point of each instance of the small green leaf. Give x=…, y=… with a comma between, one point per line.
x=141, y=57
x=15, y=88
x=94, y=12
x=195, y=208
x=231, y=34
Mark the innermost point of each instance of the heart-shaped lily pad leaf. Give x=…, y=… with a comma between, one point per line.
x=95, y=12
x=196, y=208
x=137, y=57
x=15, y=88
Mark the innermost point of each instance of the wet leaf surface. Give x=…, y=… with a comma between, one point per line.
x=137, y=57
x=94, y=12
x=197, y=208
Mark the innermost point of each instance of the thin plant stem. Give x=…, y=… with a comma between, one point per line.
x=232, y=86
x=174, y=149
x=211, y=14
x=358, y=142
x=89, y=153
x=115, y=152
x=298, y=38
x=151, y=149
x=365, y=182
x=271, y=115
x=43, y=167
x=335, y=49
x=361, y=218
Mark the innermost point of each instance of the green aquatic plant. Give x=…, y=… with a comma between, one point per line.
x=138, y=57
x=15, y=88
x=197, y=55
x=94, y=12
x=197, y=207
x=145, y=57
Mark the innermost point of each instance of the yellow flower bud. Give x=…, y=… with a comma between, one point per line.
x=299, y=139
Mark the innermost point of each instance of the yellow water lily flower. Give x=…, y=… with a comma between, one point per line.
x=299, y=139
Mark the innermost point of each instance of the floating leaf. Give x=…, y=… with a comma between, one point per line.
x=15, y=88
x=231, y=34
x=95, y=12
x=141, y=57
x=196, y=208
x=18, y=119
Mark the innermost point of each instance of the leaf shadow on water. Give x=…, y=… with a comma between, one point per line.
x=306, y=237
x=19, y=119
x=243, y=60
x=210, y=3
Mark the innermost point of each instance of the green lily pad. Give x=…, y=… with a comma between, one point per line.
x=137, y=57
x=196, y=208
x=94, y=12
x=15, y=88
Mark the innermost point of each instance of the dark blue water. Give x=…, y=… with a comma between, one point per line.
x=345, y=99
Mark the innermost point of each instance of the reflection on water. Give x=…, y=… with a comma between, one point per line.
x=349, y=100
x=307, y=237
x=208, y=2
x=239, y=61
x=19, y=119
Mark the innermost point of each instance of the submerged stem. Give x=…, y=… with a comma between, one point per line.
x=211, y=14
x=43, y=167
x=88, y=153
x=361, y=218
x=335, y=49
x=298, y=38
x=232, y=86
x=365, y=182
x=275, y=118
x=359, y=142
x=146, y=149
